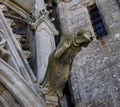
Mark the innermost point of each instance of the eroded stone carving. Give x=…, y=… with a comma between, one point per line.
x=61, y=59
x=13, y=46
x=4, y=53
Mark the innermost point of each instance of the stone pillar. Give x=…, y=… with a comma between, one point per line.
x=45, y=44
x=44, y=34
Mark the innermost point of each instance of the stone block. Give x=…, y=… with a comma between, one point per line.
x=51, y=101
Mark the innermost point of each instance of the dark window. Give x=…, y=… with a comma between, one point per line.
x=118, y=1
x=97, y=22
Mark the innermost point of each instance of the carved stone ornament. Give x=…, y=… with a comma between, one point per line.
x=4, y=53
x=60, y=62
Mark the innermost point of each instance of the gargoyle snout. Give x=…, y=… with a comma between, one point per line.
x=91, y=38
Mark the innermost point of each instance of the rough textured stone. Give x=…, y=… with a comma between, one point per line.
x=74, y=16
x=95, y=75
x=52, y=101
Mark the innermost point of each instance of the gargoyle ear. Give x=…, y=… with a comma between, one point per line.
x=80, y=32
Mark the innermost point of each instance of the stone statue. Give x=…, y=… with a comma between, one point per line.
x=61, y=59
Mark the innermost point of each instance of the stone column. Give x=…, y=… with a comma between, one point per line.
x=44, y=34
x=45, y=44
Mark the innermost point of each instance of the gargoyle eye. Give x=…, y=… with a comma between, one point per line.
x=91, y=38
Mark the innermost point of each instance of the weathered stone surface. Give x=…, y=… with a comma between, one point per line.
x=51, y=101
x=95, y=75
x=18, y=87
x=64, y=102
x=74, y=16
x=95, y=71
x=60, y=61
x=45, y=44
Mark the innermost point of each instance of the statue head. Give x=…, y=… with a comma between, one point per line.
x=82, y=38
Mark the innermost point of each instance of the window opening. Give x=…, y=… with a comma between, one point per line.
x=97, y=22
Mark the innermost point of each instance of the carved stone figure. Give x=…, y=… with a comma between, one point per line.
x=61, y=59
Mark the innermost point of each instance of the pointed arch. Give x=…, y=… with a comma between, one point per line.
x=17, y=5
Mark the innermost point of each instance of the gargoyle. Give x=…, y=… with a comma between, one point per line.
x=61, y=59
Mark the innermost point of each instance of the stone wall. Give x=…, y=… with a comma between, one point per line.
x=95, y=75
x=73, y=16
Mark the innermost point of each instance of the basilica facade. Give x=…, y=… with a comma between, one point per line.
x=30, y=30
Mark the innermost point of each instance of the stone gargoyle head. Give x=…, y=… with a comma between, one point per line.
x=73, y=43
x=82, y=38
